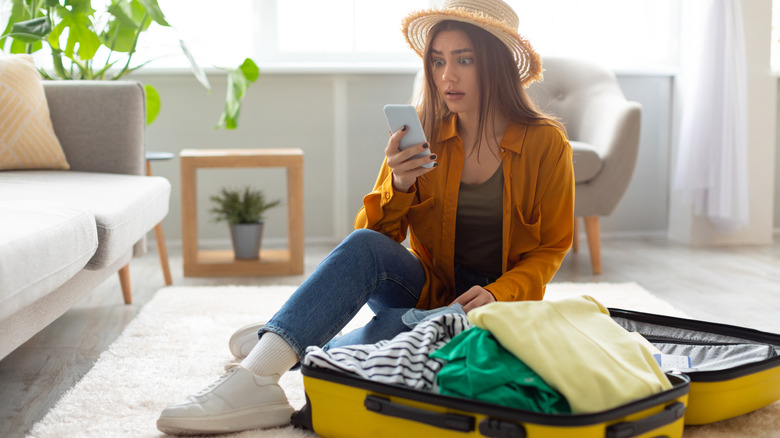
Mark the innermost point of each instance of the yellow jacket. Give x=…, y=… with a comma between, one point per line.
x=538, y=212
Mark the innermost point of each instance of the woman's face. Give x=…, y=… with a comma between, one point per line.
x=455, y=71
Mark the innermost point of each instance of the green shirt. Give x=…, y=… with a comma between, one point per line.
x=480, y=368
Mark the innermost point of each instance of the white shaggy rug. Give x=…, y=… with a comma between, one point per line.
x=178, y=344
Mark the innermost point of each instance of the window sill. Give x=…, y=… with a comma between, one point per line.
x=344, y=68
x=298, y=69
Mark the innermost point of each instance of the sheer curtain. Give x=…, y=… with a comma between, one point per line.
x=711, y=170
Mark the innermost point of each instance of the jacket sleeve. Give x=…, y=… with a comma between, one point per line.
x=527, y=278
x=384, y=209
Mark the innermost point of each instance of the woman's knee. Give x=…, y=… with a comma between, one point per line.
x=364, y=239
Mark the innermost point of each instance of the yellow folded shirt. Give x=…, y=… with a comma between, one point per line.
x=576, y=347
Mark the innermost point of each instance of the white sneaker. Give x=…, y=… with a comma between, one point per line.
x=239, y=400
x=244, y=339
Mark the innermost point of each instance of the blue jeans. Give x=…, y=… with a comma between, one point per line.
x=366, y=268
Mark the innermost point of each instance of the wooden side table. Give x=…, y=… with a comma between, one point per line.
x=221, y=263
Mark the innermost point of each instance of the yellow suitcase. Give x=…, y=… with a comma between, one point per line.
x=722, y=393
x=342, y=405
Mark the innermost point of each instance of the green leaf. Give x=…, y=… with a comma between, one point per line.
x=81, y=6
x=18, y=13
x=152, y=103
x=239, y=80
x=197, y=71
x=153, y=9
x=122, y=11
x=236, y=88
x=120, y=33
x=52, y=3
x=118, y=38
x=78, y=7
x=250, y=70
x=31, y=31
x=79, y=26
x=21, y=47
x=241, y=206
x=133, y=13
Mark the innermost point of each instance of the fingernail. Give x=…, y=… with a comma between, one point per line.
x=433, y=157
x=425, y=146
x=403, y=128
x=435, y=164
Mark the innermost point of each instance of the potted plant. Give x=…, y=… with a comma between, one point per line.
x=85, y=47
x=244, y=210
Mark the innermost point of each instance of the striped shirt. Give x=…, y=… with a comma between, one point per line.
x=402, y=360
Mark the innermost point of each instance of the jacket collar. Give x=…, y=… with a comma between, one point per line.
x=512, y=139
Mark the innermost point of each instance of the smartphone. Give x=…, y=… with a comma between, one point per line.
x=400, y=115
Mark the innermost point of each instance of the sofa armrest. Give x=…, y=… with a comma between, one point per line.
x=100, y=124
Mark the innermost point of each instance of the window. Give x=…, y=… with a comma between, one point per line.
x=218, y=34
x=620, y=33
x=301, y=33
x=336, y=31
x=320, y=33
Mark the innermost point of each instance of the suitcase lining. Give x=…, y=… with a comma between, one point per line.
x=708, y=351
x=718, y=351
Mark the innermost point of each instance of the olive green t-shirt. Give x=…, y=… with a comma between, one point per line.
x=478, y=225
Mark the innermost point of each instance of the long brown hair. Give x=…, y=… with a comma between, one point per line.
x=499, y=81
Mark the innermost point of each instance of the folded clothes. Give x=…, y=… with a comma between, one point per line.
x=577, y=348
x=478, y=367
x=402, y=360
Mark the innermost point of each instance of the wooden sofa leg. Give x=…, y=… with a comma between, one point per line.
x=162, y=251
x=124, y=280
x=575, y=243
x=593, y=233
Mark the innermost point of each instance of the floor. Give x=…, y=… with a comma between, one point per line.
x=734, y=285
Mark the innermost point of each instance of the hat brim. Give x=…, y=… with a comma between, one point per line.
x=417, y=26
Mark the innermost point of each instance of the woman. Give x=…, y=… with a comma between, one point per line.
x=491, y=221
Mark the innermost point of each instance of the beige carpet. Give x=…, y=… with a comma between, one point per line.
x=178, y=344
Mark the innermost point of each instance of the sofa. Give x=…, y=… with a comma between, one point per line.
x=63, y=232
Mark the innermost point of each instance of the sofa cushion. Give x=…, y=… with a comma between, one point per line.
x=588, y=162
x=27, y=139
x=125, y=207
x=42, y=245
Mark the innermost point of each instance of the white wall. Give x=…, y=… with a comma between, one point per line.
x=281, y=110
x=316, y=112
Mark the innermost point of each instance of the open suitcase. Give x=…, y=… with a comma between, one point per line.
x=719, y=389
x=342, y=405
x=739, y=372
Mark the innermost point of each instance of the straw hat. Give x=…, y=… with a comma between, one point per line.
x=494, y=16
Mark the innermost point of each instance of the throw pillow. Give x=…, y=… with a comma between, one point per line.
x=27, y=139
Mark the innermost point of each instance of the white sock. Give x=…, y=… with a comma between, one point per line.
x=271, y=356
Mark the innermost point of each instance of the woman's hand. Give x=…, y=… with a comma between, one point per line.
x=475, y=297
x=405, y=168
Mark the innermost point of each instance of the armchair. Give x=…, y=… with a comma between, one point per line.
x=603, y=128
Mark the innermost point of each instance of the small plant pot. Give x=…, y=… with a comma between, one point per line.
x=246, y=240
